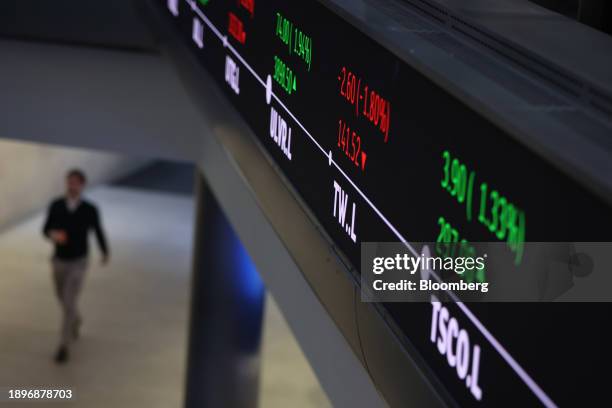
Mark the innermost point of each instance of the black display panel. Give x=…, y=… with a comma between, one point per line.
x=379, y=152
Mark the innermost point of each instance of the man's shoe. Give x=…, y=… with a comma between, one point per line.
x=62, y=355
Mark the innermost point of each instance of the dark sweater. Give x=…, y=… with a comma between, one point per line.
x=76, y=224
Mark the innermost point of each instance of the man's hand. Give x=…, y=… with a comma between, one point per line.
x=105, y=259
x=58, y=236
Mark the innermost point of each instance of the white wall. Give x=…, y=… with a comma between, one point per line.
x=31, y=174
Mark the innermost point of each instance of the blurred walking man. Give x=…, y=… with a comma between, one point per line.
x=68, y=223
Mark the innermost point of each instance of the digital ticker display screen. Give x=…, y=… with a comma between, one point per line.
x=380, y=153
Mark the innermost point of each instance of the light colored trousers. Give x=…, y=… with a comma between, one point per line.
x=68, y=277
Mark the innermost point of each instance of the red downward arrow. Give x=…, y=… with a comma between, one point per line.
x=363, y=160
